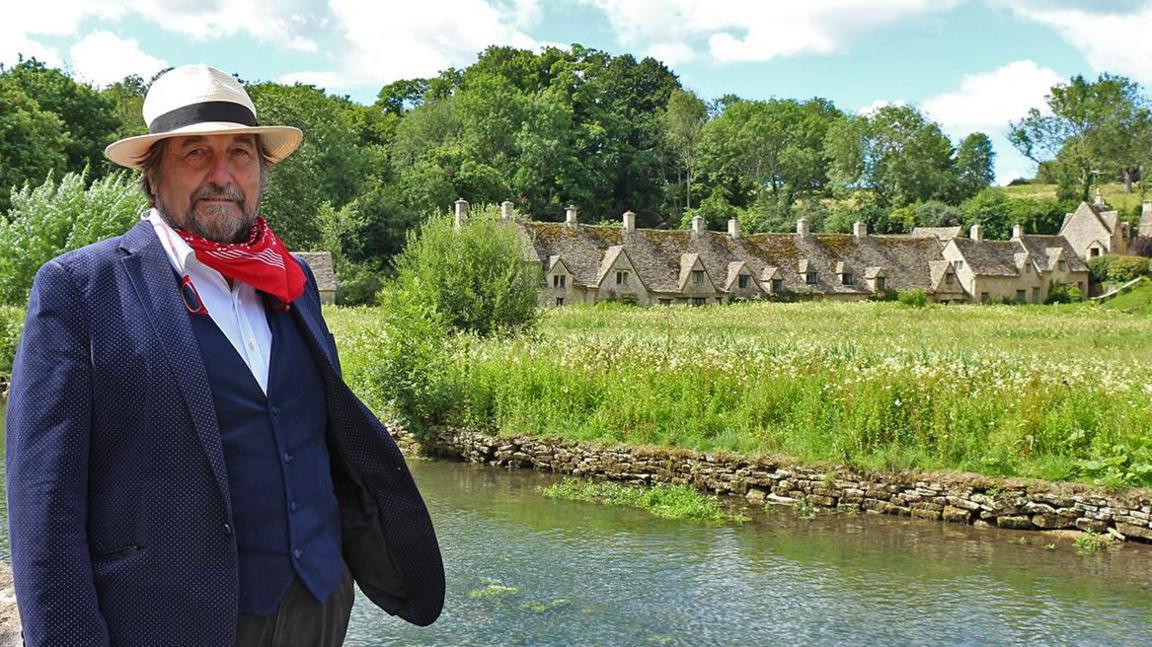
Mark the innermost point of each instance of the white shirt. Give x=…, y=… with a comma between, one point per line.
x=237, y=310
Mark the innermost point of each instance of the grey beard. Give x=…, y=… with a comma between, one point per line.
x=233, y=231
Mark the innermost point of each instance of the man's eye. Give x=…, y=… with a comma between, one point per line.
x=242, y=152
x=195, y=153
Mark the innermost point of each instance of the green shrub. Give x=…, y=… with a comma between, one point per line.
x=1063, y=293
x=1125, y=268
x=11, y=323
x=56, y=217
x=916, y=298
x=1098, y=268
x=475, y=279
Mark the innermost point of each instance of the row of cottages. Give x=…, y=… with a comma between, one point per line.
x=590, y=263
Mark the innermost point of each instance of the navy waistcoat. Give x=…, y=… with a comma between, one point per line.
x=284, y=507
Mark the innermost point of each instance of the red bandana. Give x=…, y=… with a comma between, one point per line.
x=262, y=261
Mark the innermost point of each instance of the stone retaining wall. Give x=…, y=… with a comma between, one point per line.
x=956, y=498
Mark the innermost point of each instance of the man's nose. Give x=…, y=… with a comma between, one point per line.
x=220, y=173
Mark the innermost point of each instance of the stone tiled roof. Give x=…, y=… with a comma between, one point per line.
x=943, y=234
x=1047, y=250
x=989, y=257
x=321, y=264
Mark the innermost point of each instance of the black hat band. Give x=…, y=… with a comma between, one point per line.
x=206, y=111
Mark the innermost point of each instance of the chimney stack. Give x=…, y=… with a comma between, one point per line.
x=570, y=216
x=697, y=225
x=976, y=233
x=1017, y=231
x=629, y=221
x=802, y=228
x=733, y=228
x=461, y=213
x=1099, y=199
x=506, y=210
x=860, y=229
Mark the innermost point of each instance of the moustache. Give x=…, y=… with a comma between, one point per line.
x=216, y=192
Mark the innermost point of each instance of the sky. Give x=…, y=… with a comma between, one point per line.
x=970, y=65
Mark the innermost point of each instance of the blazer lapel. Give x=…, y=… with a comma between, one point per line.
x=151, y=274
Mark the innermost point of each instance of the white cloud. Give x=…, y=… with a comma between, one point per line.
x=880, y=103
x=283, y=23
x=736, y=30
x=671, y=54
x=103, y=58
x=987, y=102
x=1112, y=36
x=385, y=42
x=25, y=24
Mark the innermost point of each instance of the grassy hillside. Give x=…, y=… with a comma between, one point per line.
x=1138, y=300
x=1128, y=204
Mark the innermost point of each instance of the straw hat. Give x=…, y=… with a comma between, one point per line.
x=200, y=100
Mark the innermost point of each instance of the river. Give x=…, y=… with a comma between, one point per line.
x=527, y=570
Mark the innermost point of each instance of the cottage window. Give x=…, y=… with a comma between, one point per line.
x=1061, y=265
x=1094, y=252
x=699, y=301
x=983, y=297
x=558, y=280
x=880, y=283
x=743, y=281
x=1036, y=295
x=846, y=278
x=1021, y=296
x=949, y=279
x=777, y=285
x=621, y=278
x=697, y=277
x=559, y=301
x=957, y=265
x=810, y=278
x=1080, y=286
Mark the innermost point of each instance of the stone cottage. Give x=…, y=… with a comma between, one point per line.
x=1094, y=230
x=321, y=264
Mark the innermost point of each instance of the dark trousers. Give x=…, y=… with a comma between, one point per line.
x=299, y=620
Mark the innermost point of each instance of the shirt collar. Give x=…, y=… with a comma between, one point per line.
x=179, y=253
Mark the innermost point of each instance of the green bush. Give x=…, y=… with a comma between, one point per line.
x=11, y=323
x=1063, y=293
x=475, y=279
x=1125, y=268
x=1098, y=268
x=913, y=298
x=56, y=217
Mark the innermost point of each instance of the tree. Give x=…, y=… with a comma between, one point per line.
x=895, y=151
x=331, y=165
x=684, y=121
x=771, y=146
x=89, y=118
x=32, y=141
x=975, y=166
x=1094, y=128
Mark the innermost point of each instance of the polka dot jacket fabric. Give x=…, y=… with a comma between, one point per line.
x=118, y=499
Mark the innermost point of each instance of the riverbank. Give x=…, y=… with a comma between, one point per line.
x=981, y=501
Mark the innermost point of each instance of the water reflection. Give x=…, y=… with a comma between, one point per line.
x=525, y=570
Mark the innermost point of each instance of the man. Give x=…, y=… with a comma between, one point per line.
x=185, y=464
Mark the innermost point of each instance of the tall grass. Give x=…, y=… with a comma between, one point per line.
x=1042, y=391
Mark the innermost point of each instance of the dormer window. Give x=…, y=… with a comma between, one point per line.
x=1094, y=252
x=846, y=278
x=743, y=281
x=957, y=265
x=621, y=277
x=697, y=277
x=777, y=286
x=1062, y=265
x=949, y=279
x=558, y=280
x=880, y=284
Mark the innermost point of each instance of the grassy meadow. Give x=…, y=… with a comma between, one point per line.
x=1054, y=392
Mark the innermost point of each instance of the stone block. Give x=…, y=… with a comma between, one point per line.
x=755, y=495
x=922, y=513
x=871, y=504
x=892, y=508
x=1016, y=522
x=953, y=514
x=1130, y=530
x=1091, y=525
x=823, y=501
x=980, y=523
x=960, y=502
x=1053, y=521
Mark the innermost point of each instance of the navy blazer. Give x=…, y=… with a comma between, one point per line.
x=119, y=514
